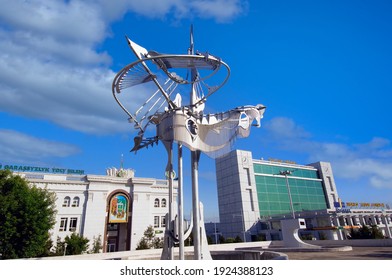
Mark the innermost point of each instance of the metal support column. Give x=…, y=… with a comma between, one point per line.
x=180, y=206
x=195, y=156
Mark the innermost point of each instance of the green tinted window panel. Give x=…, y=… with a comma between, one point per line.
x=281, y=181
x=315, y=206
x=308, y=183
x=294, y=190
x=278, y=169
x=312, y=183
x=312, y=199
x=285, y=207
x=321, y=199
x=257, y=168
x=261, y=193
x=301, y=183
x=303, y=199
x=302, y=191
x=309, y=173
x=312, y=191
x=259, y=179
x=292, y=182
x=297, y=207
x=282, y=189
x=272, y=189
x=274, y=207
x=268, y=169
x=262, y=196
x=318, y=185
x=273, y=197
x=270, y=180
x=262, y=204
x=284, y=198
x=295, y=198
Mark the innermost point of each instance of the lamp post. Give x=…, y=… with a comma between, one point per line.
x=285, y=173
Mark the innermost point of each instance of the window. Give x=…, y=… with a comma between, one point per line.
x=67, y=201
x=248, y=176
x=163, y=204
x=163, y=221
x=156, y=221
x=75, y=201
x=73, y=222
x=330, y=183
x=156, y=202
x=63, y=224
x=252, y=206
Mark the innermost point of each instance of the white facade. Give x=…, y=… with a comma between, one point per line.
x=83, y=203
x=237, y=194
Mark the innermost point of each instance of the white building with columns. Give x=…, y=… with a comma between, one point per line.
x=117, y=207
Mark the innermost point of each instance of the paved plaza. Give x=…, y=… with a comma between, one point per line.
x=358, y=253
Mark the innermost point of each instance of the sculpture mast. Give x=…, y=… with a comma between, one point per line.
x=211, y=134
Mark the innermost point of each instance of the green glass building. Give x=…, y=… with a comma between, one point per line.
x=253, y=190
x=306, y=188
x=256, y=195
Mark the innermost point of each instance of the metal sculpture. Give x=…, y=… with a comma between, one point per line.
x=212, y=134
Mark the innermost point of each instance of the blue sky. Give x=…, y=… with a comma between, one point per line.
x=322, y=68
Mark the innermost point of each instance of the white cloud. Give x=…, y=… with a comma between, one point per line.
x=281, y=127
x=369, y=161
x=67, y=21
x=50, y=68
x=15, y=146
x=221, y=10
x=218, y=10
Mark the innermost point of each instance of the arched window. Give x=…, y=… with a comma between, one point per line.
x=163, y=204
x=67, y=201
x=75, y=201
x=156, y=202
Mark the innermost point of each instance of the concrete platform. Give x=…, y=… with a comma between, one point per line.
x=357, y=253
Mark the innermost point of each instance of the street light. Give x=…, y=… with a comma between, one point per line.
x=285, y=173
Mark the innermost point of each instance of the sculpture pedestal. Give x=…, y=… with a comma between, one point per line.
x=290, y=235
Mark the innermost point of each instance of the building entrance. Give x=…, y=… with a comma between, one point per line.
x=118, y=225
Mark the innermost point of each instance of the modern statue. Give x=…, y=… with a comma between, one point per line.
x=177, y=77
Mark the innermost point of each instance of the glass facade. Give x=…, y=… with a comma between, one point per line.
x=306, y=190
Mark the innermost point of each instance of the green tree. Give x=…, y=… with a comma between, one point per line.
x=237, y=239
x=149, y=240
x=97, y=245
x=59, y=248
x=376, y=233
x=27, y=213
x=365, y=232
x=75, y=244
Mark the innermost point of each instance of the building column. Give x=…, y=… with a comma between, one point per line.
x=361, y=220
x=355, y=220
x=373, y=219
x=387, y=229
x=348, y=220
x=336, y=222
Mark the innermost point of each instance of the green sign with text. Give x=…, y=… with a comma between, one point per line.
x=26, y=168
